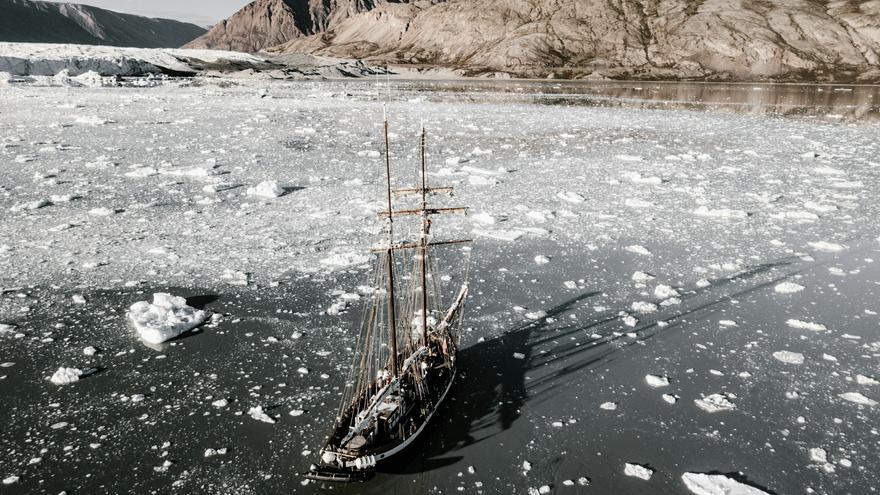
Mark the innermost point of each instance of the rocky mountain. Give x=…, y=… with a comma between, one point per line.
x=266, y=23
x=46, y=22
x=639, y=39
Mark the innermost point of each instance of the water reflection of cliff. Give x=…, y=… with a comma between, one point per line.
x=826, y=101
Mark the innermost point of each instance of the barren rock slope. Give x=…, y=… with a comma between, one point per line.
x=711, y=39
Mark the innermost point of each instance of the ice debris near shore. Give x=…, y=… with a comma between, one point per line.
x=66, y=376
x=638, y=471
x=717, y=484
x=165, y=318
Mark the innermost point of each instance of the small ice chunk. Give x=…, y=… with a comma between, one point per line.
x=165, y=318
x=90, y=351
x=630, y=321
x=826, y=247
x=703, y=283
x=536, y=315
x=220, y=403
x=789, y=357
x=78, y=299
x=644, y=307
x=608, y=406
x=858, y=398
x=638, y=249
x=571, y=197
x=638, y=471
x=818, y=455
x=665, y=292
x=266, y=189
x=541, y=260
x=722, y=213
x=806, y=325
x=258, y=414
x=483, y=218
x=66, y=376
x=642, y=277
x=727, y=323
x=657, y=381
x=788, y=288
x=866, y=380
x=518, y=355
x=670, y=399
x=716, y=403
x=717, y=484
x=10, y=480
x=296, y=412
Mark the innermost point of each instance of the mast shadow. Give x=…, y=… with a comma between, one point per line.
x=534, y=361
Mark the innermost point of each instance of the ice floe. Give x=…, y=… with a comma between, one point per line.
x=858, y=398
x=260, y=415
x=806, y=325
x=657, y=381
x=788, y=288
x=638, y=471
x=66, y=376
x=789, y=357
x=266, y=189
x=716, y=402
x=165, y=318
x=717, y=484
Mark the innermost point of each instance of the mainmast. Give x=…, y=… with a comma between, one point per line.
x=423, y=243
x=392, y=312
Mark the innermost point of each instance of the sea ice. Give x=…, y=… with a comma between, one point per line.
x=717, y=484
x=638, y=471
x=788, y=288
x=165, y=318
x=789, y=357
x=66, y=376
x=806, y=325
x=716, y=403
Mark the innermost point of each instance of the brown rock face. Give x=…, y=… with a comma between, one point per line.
x=646, y=39
x=265, y=23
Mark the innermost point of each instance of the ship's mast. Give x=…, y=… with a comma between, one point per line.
x=389, y=254
x=423, y=243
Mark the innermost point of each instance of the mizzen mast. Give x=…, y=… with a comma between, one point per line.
x=423, y=242
x=389, y=254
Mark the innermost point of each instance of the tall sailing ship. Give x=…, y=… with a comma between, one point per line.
x=405, y=364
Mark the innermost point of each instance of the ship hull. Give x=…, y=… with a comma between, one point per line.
x=335, y=474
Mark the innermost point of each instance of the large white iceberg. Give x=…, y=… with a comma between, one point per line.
x=717, y=484
x=165, y=318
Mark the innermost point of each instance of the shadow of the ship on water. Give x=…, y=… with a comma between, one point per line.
x=535, y=360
